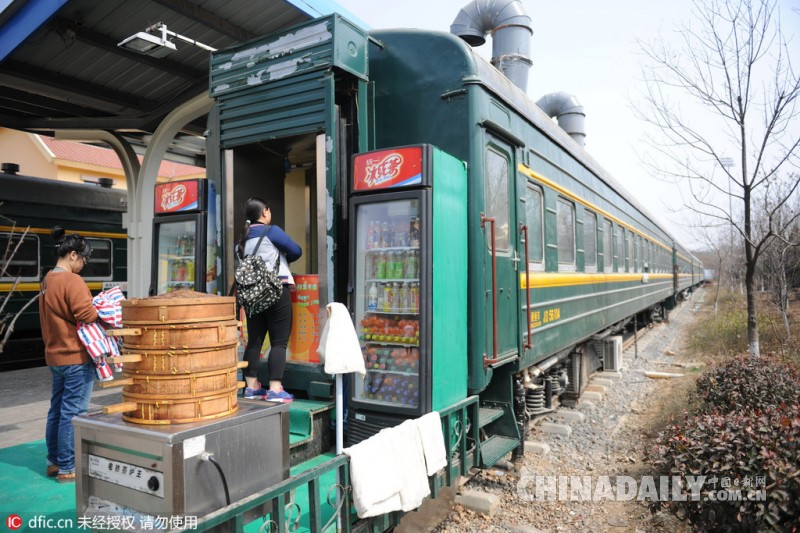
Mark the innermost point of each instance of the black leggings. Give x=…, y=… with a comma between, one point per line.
x=277, y=321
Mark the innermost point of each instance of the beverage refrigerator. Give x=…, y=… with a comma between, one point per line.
x=408, y=273
x=186, y=232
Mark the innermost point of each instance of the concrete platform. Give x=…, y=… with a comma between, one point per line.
x=25, y=399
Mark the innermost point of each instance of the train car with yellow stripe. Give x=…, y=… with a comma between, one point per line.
x=561, y=260
x=30, y=207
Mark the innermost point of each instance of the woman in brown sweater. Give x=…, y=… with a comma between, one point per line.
x=65, y=301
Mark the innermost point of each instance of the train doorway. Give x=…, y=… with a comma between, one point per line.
x=502, y=255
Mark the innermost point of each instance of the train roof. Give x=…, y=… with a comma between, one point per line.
x=17, y=188
x=485, y=74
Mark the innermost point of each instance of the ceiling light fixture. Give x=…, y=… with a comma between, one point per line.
x=154, y=41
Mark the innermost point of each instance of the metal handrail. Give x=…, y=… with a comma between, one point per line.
x=528, y=343
x=494, y=359
x=278, y=495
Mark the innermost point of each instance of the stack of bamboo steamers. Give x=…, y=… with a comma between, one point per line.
x=179, y=360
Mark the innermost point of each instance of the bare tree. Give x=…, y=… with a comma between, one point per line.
x=9, y=319
x=738, y=93
x=779, y=260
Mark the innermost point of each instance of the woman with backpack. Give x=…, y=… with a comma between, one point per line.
x=273, y=245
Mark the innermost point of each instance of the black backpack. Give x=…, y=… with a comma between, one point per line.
x=257, y=287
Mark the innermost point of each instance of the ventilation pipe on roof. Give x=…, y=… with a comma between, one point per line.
x=565, y=108
x=511, y=31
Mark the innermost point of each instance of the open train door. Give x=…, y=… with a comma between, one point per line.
x=288, y=108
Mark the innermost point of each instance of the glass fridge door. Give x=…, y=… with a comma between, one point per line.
x=176, y=255
x=387, y=286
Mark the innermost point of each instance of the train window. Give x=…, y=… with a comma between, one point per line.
x=100, y=265
x=25, y=262
x=497, y=197
x=619, y=248
x=628, y=251
x=608, y=251
x=590, y=241
x=637, y=253
x=565, y=216
x=533, y=217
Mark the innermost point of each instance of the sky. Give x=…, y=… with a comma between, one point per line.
x=589, y=49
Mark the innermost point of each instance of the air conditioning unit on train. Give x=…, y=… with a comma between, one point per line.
x=612, y=353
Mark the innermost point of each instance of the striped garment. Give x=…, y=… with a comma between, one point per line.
x=93, y=337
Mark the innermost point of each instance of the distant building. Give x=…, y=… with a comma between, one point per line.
x=45, y=157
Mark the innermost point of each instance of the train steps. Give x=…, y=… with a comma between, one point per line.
x=496, y=446
x=487, y=415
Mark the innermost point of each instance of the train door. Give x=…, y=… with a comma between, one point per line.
x=502, y=257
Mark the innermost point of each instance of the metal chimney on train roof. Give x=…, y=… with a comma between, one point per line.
x=511, y=31
x=569, y=113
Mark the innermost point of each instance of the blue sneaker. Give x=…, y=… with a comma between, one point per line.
x=249, y=393
x=281, y=396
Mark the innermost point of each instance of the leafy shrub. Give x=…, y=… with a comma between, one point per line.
x=748, y=383
x=741, y=446
x=747, y=428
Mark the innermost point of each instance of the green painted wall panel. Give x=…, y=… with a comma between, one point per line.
x=275, y=86
x=449, y=373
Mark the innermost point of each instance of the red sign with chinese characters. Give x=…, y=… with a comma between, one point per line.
x=177, y=196
x=398, y=167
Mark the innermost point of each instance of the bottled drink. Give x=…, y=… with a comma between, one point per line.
x=370, y=236
x=413, y=298
x=372, y=299
x=399, y=265
x=379, y=305
x=380, y=266
x=190, y=270
x=387, y=297
x=412, y=264
x=413, y=233
x=386, y=237
x=391, y=257
x=395, y=297
x=402, y=298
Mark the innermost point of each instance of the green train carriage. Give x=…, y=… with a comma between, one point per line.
x=575, y=259
x=93, y=211
x=595, y=257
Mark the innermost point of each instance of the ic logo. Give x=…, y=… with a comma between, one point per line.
x=14, y=522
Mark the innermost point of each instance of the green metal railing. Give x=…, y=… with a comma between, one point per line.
x=461, y=438
x=280, y=495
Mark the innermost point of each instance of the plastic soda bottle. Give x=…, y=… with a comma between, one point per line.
x=386, y=237
x=395, y=297
x=370, y=235
x=412, y=264
x=372, y=298
x=413, y=233
x=399, y=265
x=387, y=297
x=402, y=298
x=380, y=266
x=413, y=297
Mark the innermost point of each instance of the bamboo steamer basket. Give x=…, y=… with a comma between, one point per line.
x=199, y=336
x=180, y=360
x=169, y=387
x=151, y=410
x=179, y=307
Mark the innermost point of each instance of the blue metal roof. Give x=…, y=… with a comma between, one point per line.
x=24, y=22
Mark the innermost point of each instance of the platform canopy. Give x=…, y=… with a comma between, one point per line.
x=61, y=68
